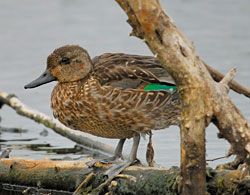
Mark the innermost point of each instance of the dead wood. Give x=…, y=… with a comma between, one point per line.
x=234, y=85
x=67, y=175
x=61, y=175
x=202, y=98
x=79, y=137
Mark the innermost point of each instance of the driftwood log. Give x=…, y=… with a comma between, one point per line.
x=46, y=176
x=203, y=99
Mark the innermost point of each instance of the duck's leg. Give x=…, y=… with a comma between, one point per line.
x=133, y=152
x=116, y=169
x=117, y=154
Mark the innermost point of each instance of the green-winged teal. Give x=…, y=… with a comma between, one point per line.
x=114, y=95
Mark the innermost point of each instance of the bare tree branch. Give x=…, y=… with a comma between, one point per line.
x=76, y=136
x=202, y=98
x=217, y=76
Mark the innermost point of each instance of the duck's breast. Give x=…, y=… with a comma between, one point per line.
x=82, y=108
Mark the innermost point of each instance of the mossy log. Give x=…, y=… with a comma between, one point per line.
x=67, y=176
x=63, y=175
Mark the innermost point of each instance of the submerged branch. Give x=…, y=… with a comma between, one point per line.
x=76, y=136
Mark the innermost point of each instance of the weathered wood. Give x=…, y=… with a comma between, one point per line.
x=62, y=175
x=202, y=98
x=67, y=175
x=234, y=85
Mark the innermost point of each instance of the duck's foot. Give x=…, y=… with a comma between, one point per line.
x=112, y=159
x=106, y=177
x=119, y=167
x=117, y=155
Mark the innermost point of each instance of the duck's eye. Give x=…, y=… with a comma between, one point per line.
x=65, y=60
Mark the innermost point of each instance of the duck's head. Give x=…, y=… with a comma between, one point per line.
x=66, y=64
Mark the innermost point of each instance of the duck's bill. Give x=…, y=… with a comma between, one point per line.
x=46, y=77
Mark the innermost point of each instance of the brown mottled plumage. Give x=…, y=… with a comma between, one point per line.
x=105, y=96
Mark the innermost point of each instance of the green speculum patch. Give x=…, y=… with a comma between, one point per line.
x=159, y=87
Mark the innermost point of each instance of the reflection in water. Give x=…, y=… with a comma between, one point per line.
x=30, y=30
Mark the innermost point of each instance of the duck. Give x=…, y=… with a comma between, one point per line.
x=113, y=95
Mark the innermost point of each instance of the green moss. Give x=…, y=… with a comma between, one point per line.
x=220, y=182
x=153, y=183
x=64, y=180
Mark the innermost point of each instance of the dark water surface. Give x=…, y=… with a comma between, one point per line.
x=30, y=30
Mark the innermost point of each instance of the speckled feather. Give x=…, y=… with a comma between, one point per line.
x=109, y=68
x=110, y=101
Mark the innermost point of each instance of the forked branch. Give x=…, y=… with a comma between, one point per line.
x=202, y=98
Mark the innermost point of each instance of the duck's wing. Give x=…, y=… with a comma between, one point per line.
x=129, y=71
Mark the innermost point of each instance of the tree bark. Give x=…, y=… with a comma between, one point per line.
x=47, y=175
x=202, y=98
x=218, y=76
x=60, y=175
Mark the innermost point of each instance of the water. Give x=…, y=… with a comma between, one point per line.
x=30, y=30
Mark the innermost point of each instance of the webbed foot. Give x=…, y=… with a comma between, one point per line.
x=112, y=159
x=117, y=168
